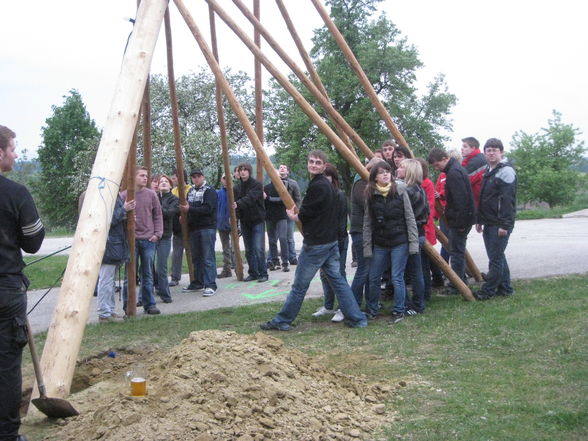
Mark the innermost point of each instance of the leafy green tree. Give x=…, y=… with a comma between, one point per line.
x=547, y=162
x=67, y=133
x=200, y=136
x=389, y=62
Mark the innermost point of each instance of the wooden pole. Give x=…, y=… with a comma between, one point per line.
x=454, y=278
x=310, y=68
x=226, y=160
x=360, y=74
x=147, y=143
x=171, y=79
x=71, y=312
x=298, y=98
x=237, y=109
x=132, y=265
x=331, y=111
x=258, y=94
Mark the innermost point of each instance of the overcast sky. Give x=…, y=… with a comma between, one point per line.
x=510, y=63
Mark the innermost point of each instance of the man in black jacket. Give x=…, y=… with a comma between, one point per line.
x=20, y=229
x=320, y=250
x=460, y=210
x=496, y=218
x=251, y=212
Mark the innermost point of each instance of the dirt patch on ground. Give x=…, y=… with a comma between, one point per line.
x=225, y=386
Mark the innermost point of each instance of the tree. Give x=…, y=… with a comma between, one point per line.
x=200, y=136
x=547, y=162
x=389, y=62
x=67, y=133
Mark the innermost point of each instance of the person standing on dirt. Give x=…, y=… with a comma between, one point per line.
x=20, y=229
x=320, y=250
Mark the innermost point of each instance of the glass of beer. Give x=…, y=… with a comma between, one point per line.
x=137, y=377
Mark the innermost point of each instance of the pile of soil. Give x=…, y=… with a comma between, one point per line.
x=227, y=386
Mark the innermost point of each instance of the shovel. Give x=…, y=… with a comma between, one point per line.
x=52, y=407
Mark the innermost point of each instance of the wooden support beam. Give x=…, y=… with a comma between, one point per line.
x=258, y=97
x=132, y=264
x=226, y=160
x=454, y=278
x=71, y=312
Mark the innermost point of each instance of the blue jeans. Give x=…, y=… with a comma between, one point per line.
x=360, y=285
x=327, y=288
x=291, y=243
x=311, y=259
x=445, y=230
x=457, y=248
x=254, y=252
x=145, y=253
x=414, y=267
x=498, y=277
x=163, y=249
x=203, y=257
x=277, y=230
x=380, y=260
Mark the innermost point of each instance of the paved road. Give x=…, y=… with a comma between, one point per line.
x=537, y=248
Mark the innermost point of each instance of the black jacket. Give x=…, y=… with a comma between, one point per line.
x=170, y=207
x=357, y=206
x=318, y=212
x=461, y=209
x=342, y=212
x=498, y=197
x=202, y=212
x=275, y=209
x=249, y=198
x=117, y=247
x=420, y=206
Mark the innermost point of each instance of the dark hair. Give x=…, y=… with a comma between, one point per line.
x=246, y=166
x=171, y=184
x=370, y=188
x=425, y=167
x=405, y=152
x=6, y=135
x=318, y=154
x=494, y=143
x=472, y=142
x=175, y=172
x=331, y=171
x=437, y=154
x=391, y=142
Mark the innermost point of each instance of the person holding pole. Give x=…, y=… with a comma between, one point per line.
x=320, y=250
x=177, y=240
x=294, y=190
x=20, y=229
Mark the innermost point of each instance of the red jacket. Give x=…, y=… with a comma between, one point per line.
x=439, y=188
x=430, y=225
x=475, y=165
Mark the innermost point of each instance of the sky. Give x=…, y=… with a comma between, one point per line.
x=510, y=63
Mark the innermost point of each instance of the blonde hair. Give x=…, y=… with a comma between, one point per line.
x=414, y=171
x=456, y=154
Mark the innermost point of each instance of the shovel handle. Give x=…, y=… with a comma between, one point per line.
x=35, y=358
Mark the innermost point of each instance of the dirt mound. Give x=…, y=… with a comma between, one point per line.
x=226, y=386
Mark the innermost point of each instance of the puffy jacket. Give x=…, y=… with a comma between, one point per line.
x=249, y=198
x=475, y=164
x=498, y=197
x=420, y=206
x=117, y=247
x=170, y=207
x=460, y=210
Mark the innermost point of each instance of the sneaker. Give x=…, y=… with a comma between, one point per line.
x=397, y=317
x=110, y=319
x=285, y=267
x=322, y=311
x=338, y=317
x=354, y=264
x=173, y=282
x=294, y=261
x=271, y=266
x=411, y=312
x=152, y=311
x=167, y=300
x=359, y=324
x=263, y=279
x=371, y=316
x=479, y=295
x=192, y=288
x=224, y=274
x=249, y=279
x=271, y=326
x=208, y=292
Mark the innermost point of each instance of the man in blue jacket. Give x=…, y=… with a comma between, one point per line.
x=496, y=218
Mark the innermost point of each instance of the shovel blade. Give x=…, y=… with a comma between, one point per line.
x=55, y=407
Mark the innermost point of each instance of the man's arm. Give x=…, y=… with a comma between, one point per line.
x=31, y=227
x=157, y=218
x=506, y=180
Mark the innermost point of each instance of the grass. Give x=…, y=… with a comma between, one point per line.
x=580, y=203
x=506, y=369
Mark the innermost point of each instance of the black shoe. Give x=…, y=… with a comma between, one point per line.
x=173, y=282
x=396, y=318
x=152, y=311
x=271, y=326
x=437, y=282
x=168, y=300
x=262, y=279
x=192, y=288
x=285, y=267
x=139, y=304
x=479, y=295
x=505, y=294
x=271, y=266
x=249, y=279
x=294, y=261
x=223, y=274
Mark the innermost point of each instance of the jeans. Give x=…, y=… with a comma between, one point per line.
x=145, y=254
x=498, y=276
x=13, y=337
x=254, y=252
x=380, y=260
x=203, y=257
x=426, y=265
x=457, y=248
x=163, y=249
x=177, y=257
x=445, y=230
x=105, y=297
x=228, y=255
x=360, y=285
x=291, y=243
x=311, y=259
x=277, y=230
x=415, y=270
x=328, y=292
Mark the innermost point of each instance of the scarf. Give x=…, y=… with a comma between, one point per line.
x=384, y=190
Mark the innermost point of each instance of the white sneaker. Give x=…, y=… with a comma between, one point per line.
x=338, y=317
x=208, y=292
x=322, y=311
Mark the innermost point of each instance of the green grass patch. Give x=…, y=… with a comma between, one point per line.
x=506, y=369
x=580, y=203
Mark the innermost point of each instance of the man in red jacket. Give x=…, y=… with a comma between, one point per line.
x=474, y=163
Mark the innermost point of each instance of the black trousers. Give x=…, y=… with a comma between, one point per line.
x=13, y=337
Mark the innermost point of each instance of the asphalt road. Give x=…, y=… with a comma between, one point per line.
x=537, y=248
